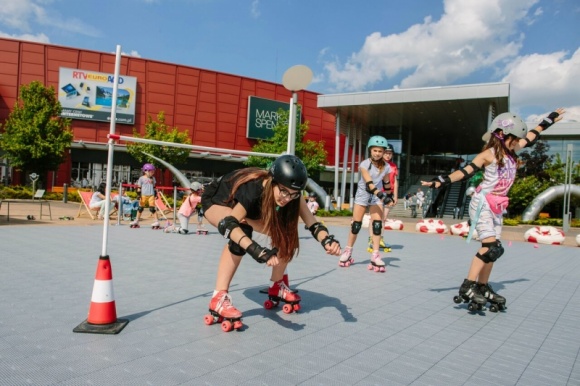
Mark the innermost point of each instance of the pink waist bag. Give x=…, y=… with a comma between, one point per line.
x=497, y=204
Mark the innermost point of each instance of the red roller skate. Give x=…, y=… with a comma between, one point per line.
x=222, y=311
x=377, y=264
x=280, y=292
x=345, y=259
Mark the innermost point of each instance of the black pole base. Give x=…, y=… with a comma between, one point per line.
x=112, y=328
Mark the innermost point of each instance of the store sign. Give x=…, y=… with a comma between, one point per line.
x=88, y=95
x=263, y=116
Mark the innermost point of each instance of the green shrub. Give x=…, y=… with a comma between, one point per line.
x=511, y=221
x=334, y=213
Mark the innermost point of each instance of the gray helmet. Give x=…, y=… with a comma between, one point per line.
x=288, y=170
x=469, y=191
x=196, y=186
x=509, y=123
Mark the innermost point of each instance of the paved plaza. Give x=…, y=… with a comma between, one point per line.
x=356, y=327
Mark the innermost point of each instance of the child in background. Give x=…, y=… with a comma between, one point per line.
x=189, y=207
x=146, y=192
x=374, y=176
x=98, y=201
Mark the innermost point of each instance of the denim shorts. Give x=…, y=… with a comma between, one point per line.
x=362, y=198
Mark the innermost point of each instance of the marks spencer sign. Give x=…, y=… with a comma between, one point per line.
x=263, y=116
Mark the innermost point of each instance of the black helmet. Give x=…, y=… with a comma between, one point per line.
x=312, y=194
x=288, y=170
x=390, y=148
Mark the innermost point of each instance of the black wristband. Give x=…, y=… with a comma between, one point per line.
x=443, y=180
x=549, y=120
x=316, y=228
x=260, y=254
x=329, y=239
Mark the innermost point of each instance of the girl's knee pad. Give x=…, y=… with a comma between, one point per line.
x=377, y=227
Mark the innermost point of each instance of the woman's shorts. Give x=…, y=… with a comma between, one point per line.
x=364, y=198
x=488, y=224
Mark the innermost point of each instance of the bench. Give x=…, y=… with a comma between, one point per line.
x=22, y=201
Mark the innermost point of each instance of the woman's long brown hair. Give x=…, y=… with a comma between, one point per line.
x=282, y=224
x=499, y=147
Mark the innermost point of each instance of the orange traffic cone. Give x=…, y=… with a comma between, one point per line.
x=102, y=318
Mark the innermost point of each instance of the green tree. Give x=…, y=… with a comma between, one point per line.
x=35, y=137
x=312, y=153
x=545, y=175
x=159, y=131
x=535, y=160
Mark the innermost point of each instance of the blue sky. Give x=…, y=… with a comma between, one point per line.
x=350, y=46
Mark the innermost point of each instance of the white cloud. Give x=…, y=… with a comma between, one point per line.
x=549, y=81
x=255, y=9
x=39, y=38
x=17, y=14
x=21, y=15
x=571, y=114
x=131, y=53
x=468, y=37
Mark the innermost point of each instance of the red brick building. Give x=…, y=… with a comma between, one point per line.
x=211, y=107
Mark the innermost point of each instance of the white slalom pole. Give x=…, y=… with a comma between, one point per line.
x=192, y=147
x=109, y=177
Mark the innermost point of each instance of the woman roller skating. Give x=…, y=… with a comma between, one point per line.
x=269, y=202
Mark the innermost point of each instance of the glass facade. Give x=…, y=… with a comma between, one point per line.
x=559, y=145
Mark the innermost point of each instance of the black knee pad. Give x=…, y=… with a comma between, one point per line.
x=494, y=252
x=355, y=227
x=140, y=209
x=377, y=227
x=234, y=248
x=152, y=210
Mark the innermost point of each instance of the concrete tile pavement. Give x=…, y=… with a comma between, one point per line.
x=355, y=326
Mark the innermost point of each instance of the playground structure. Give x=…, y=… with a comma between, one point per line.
x=547, y=196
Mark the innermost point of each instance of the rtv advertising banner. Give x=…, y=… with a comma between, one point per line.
x=88, y=95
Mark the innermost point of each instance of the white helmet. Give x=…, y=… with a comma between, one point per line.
x=509, y=123
x=469, y=191
x=196, y=186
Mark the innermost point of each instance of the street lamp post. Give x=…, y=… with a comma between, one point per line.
x=296, y=78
